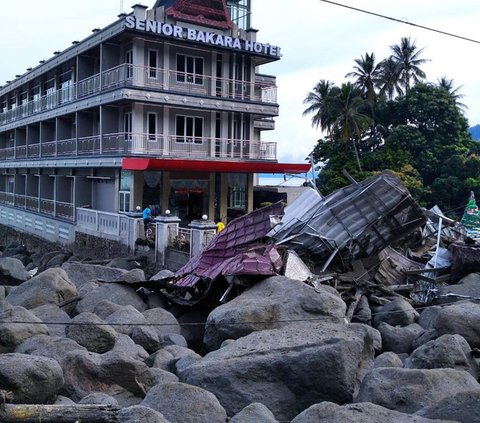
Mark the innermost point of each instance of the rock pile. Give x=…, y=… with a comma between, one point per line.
x=79, y=345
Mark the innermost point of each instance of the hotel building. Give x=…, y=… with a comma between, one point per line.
x=164, y=107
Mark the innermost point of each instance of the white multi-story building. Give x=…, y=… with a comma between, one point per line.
x=164, y=107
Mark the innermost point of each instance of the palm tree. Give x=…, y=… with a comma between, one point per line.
x=447, y=84
x=351, y=121
x=320, y=100
x=408, y=60
x=389, y=79
x=366, y=74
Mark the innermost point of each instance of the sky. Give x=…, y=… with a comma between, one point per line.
x=319, y=40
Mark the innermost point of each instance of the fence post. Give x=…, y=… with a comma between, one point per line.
x=162, y=224
x=199, y=228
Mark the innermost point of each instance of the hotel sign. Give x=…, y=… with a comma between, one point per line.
x=204, y=37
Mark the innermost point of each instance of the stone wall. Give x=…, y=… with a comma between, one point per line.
x=98, y=248
x=9, y=236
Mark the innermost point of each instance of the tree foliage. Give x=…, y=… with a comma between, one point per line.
x=390, y=117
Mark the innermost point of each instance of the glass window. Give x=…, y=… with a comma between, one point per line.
x=127, y=125
x=129, y=63
x=124, y=193
x=152, y=63
x=152, y=126
x=189, y=129
x=189, y=69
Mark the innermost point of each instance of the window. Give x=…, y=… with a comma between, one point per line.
x=189, y=69
x=129, y=63
x=124, y=192
x=152, y=63
x=240, y=12
x=127, y=125
x=35, y=93
x=10, y=184
x=152, y=126
x=49, y=93
x=189, y=129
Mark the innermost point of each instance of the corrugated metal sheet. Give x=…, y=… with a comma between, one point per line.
x=359, y=220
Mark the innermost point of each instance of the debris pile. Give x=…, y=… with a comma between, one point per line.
x=359, y=306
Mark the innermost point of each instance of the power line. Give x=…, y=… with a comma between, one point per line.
x=402, y=21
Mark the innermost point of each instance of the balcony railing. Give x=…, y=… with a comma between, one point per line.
x=133, y=144
x=45, y=206
x=150, y=78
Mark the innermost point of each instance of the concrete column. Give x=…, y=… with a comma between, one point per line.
x=223, y=197
x=165, y=224
x=165, y=191
x=249, y=192
x=201, y=229
x=211, y=195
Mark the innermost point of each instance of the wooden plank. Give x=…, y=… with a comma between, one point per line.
x=40, y=413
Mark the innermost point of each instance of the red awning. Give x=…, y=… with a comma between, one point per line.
x=213, y=166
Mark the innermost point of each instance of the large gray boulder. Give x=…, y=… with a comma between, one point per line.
x=162, y=321
x=462, y=318
x=116, y=293
x=388, y=359
x=16, y=325
x=125, y=319
x=409, y=390
x=399, y=339
x=82, y=273
x=12, y=271
x=255, y=412
x=447, y=351
x=328, y=412
x=139, y=413
x=182, y=403
x=167, y=358
x=32, y=379
x=55, y=318
x=50, y=287
x=287, y=369
x=88, y=330
x=469, y=286
x=462, y=407
x=397, y=312
x=113, y=373
x=265, y=306
x=49, y=346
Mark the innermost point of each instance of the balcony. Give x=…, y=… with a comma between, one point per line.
x=263, y=90
x=144, y=145
x=58, y=209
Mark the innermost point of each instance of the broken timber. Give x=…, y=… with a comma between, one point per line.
x=40, y=413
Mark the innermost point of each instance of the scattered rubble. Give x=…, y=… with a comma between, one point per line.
x=297, y=314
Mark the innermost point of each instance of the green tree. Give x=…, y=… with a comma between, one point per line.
x=320, y=104
x=406, y=55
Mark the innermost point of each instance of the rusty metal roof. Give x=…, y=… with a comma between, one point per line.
x=237, y=236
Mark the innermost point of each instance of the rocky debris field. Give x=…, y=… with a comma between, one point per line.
x=79, y=342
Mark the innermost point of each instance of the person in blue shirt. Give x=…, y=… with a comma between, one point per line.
x=147, y=217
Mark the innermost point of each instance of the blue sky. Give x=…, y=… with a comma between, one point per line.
x=318, y=41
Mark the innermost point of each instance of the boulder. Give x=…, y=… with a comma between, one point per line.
x=126, y=345
x=99, y=398
x=12, y=271
x=139, y=413
x=462, y=407
x=255, y=412
x=363, y=313
x=32, y=379
x=116, y=293
x=388, y=359
x=468, y=286
x=462, y=318
x=328, y=412
x=88, y=330
x=166, y=358
x=54, y=318
x=263, y=306
x=12, y=333
x=124, y=263
x=147, y=337
x=162, y=321
x=448, y=351
x=113, y=373
x=409, y=390
x=287, y=369
x=182, y=403
x=397, y=312
x=399, y=339
x=81, y=273
x=54, y=259
x=132, y=276
x=104, y=308
x=49, y=287
x=49, y=346
x=125, y=319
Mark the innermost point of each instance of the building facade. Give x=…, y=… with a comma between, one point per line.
x=164, y=107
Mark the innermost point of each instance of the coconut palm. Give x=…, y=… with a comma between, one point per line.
x=366, y=74
x=447, y=84
x=389, y=79
x=320, y=100
x=408, y=60
x=351, y=121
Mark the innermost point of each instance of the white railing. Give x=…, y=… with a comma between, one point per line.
x=136, y=144
x=180, y=239
x=145, y=77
